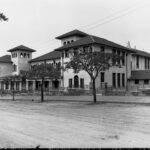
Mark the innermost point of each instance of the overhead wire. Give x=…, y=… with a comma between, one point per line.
x=105, y=20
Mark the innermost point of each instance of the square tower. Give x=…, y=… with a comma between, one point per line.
x=20, y=57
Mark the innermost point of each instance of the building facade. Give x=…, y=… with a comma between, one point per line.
x=133, y=72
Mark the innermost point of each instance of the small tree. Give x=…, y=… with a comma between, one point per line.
x=3, y=17
x=12, y=79
x=92, y=63
x=41, y=72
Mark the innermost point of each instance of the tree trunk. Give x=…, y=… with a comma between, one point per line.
x=94, y=91
x=42, y=92
x=13, y=95
x=13, y=92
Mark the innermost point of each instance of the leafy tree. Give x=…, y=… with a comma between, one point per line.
x=42, y=71
x=3, y=17
x=92, y=63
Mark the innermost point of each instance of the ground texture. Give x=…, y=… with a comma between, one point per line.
x=71, y=124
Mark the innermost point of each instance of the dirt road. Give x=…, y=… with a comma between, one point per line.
x=73, y=124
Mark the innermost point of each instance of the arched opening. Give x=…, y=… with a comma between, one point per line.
x=76, y=81
x=55, y=84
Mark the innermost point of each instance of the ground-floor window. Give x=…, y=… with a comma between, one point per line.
x=46, y=84
x=81, y=83
x=118, y=78
x=17, y=85
x=102, y=77
x=76, y=81
x=7, y=85
x=146, y=81
x=114, y=79
x=70, y=83
x=38, y=85
x=55, y=84
x=136, y=81
x=123, y=80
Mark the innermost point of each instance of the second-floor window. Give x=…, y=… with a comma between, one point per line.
x=102, y=77
x=137, y=62
x=123, y=58
x=14, y=68
x=118, y=53
x=66, y=53
x=145, y=63
x=102, y=48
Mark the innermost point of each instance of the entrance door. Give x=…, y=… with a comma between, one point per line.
x=76, y=81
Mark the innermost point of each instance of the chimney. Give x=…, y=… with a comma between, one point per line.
x=128, y=44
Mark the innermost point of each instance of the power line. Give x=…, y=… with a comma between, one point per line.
x=113, y=18
x=106, y=19
x=109, y=16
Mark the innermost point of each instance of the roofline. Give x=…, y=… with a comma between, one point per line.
x=126, y=49
x=42, y=60
x=78, y=33
x=12, y=50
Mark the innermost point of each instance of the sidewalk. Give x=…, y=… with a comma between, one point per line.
x=107, y=99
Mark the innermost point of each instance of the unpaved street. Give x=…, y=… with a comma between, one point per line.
x=73, y=124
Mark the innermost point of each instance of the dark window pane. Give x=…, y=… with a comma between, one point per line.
x=136, y=81
x=102, y=77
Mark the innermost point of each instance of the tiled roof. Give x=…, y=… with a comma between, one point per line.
x=6, y=59
x=49, y=56
x=71, y=33
x=140, y=75
x=141, y=53
x=92, y=40
x=21, y=47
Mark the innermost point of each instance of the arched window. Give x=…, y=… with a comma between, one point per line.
x=76, y=81
x=14, y=68
x=21, y=55
x=68, y=42
x=24, y=55
x=64, y=43
x=72, y=41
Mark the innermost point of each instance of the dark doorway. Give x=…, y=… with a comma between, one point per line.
x=76, y=81
x=55, y=84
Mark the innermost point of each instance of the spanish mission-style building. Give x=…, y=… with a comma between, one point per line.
x=133, y=72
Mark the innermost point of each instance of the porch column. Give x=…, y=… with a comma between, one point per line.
x=27, y=85
x=9, y=86
x=20, y=85
x=4, y=86
x=50, y=84
x=14, y=85
x=61, y=83
x=33, y=85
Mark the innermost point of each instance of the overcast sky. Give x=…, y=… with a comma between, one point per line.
x=36, y=23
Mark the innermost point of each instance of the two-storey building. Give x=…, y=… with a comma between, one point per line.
x=133, y=71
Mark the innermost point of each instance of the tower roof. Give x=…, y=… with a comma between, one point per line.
x=71, y=33
x=21, y=47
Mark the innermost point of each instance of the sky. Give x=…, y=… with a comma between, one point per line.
x=36, y=23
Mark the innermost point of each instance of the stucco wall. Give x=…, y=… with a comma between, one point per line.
x=22, y=63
